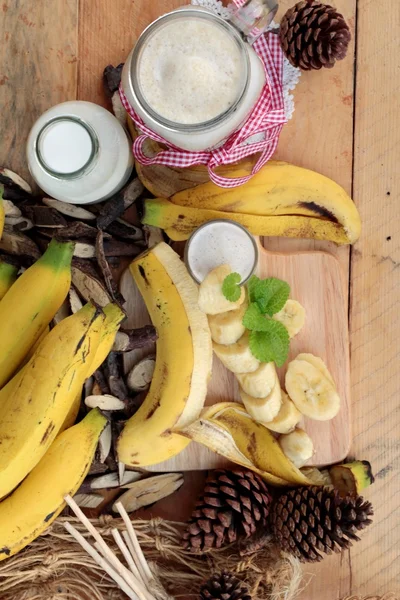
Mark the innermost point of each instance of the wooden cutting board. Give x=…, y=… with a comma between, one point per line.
x=317, y=282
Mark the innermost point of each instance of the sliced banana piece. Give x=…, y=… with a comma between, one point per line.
x=263, y=409
x=211, y=299
x=292, y=316
x=227, y=328
x=297, y=446
x=260, y=383
x=287, y=418
x=237, y=357
x=311, y=391
x=318, y=363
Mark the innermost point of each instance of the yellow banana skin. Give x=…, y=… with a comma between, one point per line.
x=179, y=222
x=31, y=303
x=183, y=360
x=280, y=188
x=36, y=503
x=8, y=275
x=32, y=415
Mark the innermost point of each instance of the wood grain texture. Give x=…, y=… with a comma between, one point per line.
x=38, y=68
x=372, y=566
x=316, y=281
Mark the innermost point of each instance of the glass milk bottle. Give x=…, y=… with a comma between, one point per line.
x=193, y=78
x=78, y=152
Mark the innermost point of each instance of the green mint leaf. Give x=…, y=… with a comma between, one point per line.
x=272, y=295
x=254, y=319
x=231, y=288
x=253, y=286
x=271, y=344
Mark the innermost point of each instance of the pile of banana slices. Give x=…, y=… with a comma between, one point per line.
x=310, y=388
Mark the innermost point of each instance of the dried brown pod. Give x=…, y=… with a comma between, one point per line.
x=70, y=210
x=133, y=339
x=88, y=283
x=112, y=78
x=152, y=235
x=101, y=383
x=115, y=377
x=44, y=216
x=116, y=206
x=111, y=284
x=16, y=189
x=117, y=248
x=125, y=230
x=16, y=243
x=19, y=223
x=74, y=231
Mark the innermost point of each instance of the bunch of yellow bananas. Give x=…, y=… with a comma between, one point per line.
x=281, y=200
x=42, y=373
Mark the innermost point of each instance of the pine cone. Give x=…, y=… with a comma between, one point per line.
x=233, y=503
x=309, y=520
x=224, y=586
x=314, y=35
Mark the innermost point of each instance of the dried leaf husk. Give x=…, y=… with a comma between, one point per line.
x=112, y=78
x=10, y=210
x=126, y=231
x=111, y=480
x=63, y=312
x=74, y=300
x=19, y=223
x=70, y=210
x=17, y=244
x=139, y=378
x=116, y=206
x=74, y=231
x=105, y=443
x=88, y=283
x=148, y=491
x=132, y=339
x=44, y=216
x=111, y=284
x=16, y=189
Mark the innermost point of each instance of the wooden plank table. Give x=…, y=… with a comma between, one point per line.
x=346, y=125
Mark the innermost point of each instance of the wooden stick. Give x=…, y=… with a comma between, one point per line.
x=127, y=555
x=137, y=553
x=107, y=553
x=119, y=580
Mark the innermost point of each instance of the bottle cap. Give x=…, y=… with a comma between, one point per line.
x=65, y=146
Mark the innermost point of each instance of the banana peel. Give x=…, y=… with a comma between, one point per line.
x=179, y=222
x=351, y=477
x=228, y=430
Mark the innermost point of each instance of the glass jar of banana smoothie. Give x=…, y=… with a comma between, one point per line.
x=193, y=78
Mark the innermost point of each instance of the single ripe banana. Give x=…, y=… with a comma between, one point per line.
x=237, y=357
x=227, y=328
x=211, y=299
x=311, y=391
x=318, y=363
x=297, y=446
x=259, y=383
x=287, y=418
x=263, y=409
x=292, y=316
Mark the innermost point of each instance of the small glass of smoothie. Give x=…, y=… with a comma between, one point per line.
x=221, y=242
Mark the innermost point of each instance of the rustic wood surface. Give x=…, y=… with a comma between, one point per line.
x=346, y=125
x=316, y=281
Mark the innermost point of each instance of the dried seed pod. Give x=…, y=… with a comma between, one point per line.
x=140, y=376
x=101, y=383
x=148, y=491
x=115, y=376
x=105, y=402
x=10, y=210
x=112, y=78
x=74, y=231
x=83, y=250
x=70, y=210
x=97, y=467
x=88, y=283
x=125, y=230
x=116, y=206
x=43, y=216
x=16, y=189
x=88, y=500
x=88, y=387
x=117, y=248
x=110, y=282
x=152, y=235
x=74, y=301
x=132, y=339
x=19, y=223
x=16, y=243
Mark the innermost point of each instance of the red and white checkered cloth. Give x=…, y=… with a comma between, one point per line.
x=267, y=118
